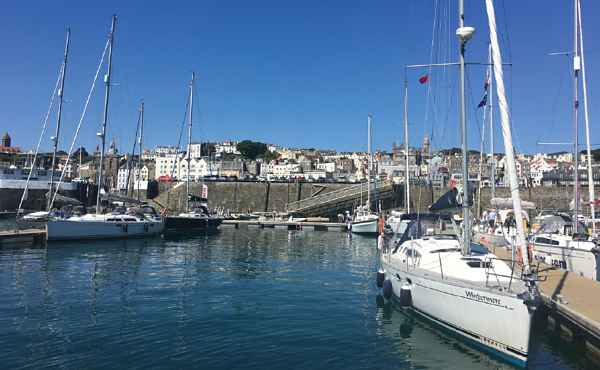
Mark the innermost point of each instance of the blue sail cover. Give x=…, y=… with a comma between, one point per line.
x=449, y=200
x=446, y=201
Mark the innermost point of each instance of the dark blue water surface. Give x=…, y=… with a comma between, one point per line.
x=243, y=299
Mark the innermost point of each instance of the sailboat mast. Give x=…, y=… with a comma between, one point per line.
x=189, y=154
x=406, y=154
x=463, y=125
x=491, y=115
x=591, y=189
x=58, y=118
x=140, y=142
x=369, y=138
x=102, y=133
x=576, y=68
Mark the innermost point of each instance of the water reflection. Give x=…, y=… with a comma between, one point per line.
x=260, y=298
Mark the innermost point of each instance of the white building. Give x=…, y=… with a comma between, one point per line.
x=199, y=167
x=71, y=171
x=227, y=147
x=315, y=175
x=167, y=165
x=278, y=171
x=175, y=166
x=195, y=150
x=540, y=165
x=137, y=180
x=165, y=150
x=327, y=167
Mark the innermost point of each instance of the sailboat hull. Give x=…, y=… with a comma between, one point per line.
x=485, y=319
x=368, y=227
x=192, y=224
x=86, y=230
x=580, y=261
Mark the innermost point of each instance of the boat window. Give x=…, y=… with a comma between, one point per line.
x=477, y=263
x=445, y=250
x=112, y=219
x=543, y=240
x=427, y=227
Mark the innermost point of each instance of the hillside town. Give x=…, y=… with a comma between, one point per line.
x=231, y=160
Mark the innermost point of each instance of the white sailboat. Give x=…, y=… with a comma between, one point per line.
x=365, y=221
x=557, y=245
x=135, y=223
x=432, y=269
x=562, y=240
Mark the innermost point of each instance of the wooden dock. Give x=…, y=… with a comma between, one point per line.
x=25, y=236
x=572, y=304
x=288, y=225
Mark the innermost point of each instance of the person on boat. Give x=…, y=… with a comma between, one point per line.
x=349, y=223
x=510, y=222
x=491, y=218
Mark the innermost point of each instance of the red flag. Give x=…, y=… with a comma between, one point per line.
x=423, y=79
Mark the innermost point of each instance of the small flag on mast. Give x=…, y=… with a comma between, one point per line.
x=483, y=101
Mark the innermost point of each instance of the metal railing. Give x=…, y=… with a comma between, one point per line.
x=513, y=266
x=349, y=192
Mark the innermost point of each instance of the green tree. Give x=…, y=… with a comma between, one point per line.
x=251, y=149
x=207, y=149
x=269, y=156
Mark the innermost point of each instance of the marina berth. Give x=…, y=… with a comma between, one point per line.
x=435, y=269
x=477, y=296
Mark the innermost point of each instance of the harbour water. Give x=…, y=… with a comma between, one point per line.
x=247, y=299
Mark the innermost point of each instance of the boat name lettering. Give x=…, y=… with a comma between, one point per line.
x=481, y=298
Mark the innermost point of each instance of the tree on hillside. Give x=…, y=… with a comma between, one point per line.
x=207, y=149
x=595, y=154
x=251, y=149
x=269, y=156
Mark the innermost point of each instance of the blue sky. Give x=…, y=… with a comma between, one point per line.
x=301, y=74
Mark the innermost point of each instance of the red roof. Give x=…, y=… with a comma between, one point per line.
x=9, y=149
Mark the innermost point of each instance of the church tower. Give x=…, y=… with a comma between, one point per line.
x=6, y=140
